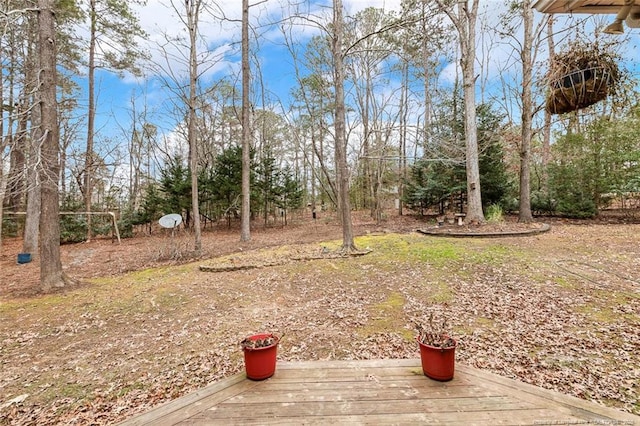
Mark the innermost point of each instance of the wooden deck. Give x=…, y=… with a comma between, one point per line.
x=377, y=392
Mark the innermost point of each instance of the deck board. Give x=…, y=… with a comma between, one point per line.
x=376, y=392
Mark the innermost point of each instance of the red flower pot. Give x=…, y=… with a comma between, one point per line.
x=260, y=362
x=438, y=363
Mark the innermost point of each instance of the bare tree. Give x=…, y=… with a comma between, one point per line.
x=193, y=17
x=32, y=222
x=421, y=39
x=546, y=140
x=312, y=128
x=526, y=55
x=15, y=39
x=526, y=38
x=463, y=15
x=344, y=203
x=113, y=34
x=245, y=221
x=368, y=53
x=3, y=140
x=331, y=53
x=324, y=56
x=50, y=263
x=187, y=88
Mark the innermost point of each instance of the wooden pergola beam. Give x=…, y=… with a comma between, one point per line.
x=603, y=7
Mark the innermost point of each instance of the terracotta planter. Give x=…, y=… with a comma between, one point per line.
x=438, y=363
x=260, y=362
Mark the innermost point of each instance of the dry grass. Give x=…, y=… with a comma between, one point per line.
x=559, y=310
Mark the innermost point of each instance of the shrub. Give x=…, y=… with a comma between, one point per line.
x=494, y=214
x=542, y=203
x=73, y=228
x=10, y=226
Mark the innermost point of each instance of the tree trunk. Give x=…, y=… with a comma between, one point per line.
x=466, y=28
x=50, y=263
x=91, y=116
x=546, y=143
x=17, y=163
x=245, y=220
x=32, y=220
x=368, y=190
x=313, y=175
x=193, y=16
x=135, y=149
x=2, y=147
x=525, y=215
x=7, y=141
x=426, y=56
x=344, y=203
x=404, y=112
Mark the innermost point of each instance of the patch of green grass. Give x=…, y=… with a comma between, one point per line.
x=346, y=270
x=565, y=283
x=596, y=313
x=620, y=297
x=61, y=389
x=394, y=302
x=9, y=310
x=130, y=387
x=140, y=292
x=387, y=316
x=495, y=255
x=334, y=245
x=146, y=274
x=477, y=323
x=411, y=249
x=45, y=306
x=604, y=309
x=441, y=293
x=605, y=314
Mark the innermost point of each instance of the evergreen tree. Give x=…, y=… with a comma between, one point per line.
x=433, y=182
x=175, y=184
x=265, y=184
x=226, y=183
x=593, y=166
x=493, y=170
x=151, y=208
x=289, y=191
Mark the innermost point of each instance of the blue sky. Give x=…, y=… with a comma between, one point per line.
x=114, y=94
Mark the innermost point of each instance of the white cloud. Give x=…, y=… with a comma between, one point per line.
x=159, y=20
x=354, y=6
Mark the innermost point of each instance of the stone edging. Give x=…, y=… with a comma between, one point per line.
x=435, y=233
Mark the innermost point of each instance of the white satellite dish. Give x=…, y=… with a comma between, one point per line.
x=170, y=221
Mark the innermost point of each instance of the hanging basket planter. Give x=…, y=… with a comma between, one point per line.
x=580, y=77
x=578, y=89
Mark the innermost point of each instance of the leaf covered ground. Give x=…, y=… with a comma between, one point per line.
x=559, y=310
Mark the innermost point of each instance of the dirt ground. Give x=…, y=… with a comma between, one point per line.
x=144, y=325
x=105, y=257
